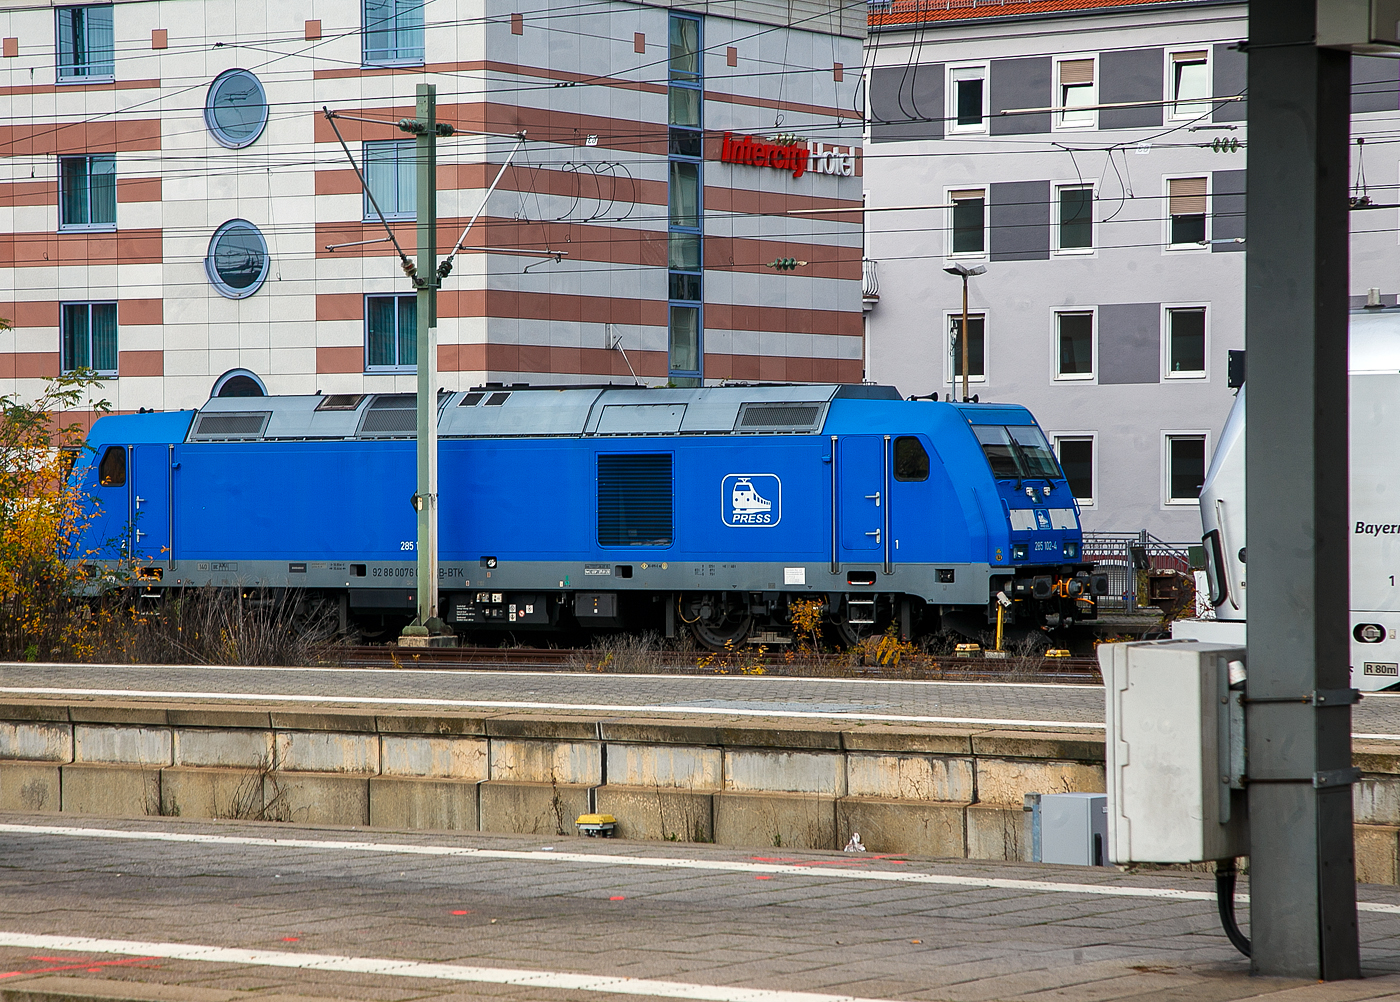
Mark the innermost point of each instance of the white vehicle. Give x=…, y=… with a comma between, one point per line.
x=747, y=500
x=1374, y=380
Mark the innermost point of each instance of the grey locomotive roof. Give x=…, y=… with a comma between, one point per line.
x=531, y=412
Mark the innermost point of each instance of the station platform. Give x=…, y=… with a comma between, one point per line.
x=171, y=910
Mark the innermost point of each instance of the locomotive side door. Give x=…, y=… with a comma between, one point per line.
x=861, y=497
x=149, y=481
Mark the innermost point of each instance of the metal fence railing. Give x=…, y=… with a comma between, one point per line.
x=1122, y=555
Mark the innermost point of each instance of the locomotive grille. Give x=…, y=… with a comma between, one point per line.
x=634, y=500
x=779, y=417
x=391, y=414
x=231, y=425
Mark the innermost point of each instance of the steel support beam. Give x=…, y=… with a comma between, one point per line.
x=427, y=285
x=1302, y=865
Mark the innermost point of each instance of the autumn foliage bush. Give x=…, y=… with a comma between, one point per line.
x=41, y=517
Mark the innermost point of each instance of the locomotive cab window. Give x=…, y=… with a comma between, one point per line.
x=111, y=471
x=910, y=459
x=1017, y=452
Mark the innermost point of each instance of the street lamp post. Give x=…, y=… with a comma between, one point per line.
x=964, y=272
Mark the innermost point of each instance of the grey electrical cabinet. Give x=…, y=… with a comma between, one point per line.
x=1174, y=754
x=1074, y=828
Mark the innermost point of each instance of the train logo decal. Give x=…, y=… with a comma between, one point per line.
x=1042, y=518
x=751, y=499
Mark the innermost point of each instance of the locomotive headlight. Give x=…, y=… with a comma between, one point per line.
x=1020, y=551
x=1071, y=549
x=1030, y=492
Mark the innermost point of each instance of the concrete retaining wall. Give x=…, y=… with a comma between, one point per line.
x=944, y=792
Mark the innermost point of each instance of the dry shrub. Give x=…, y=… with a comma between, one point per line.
x=642, y=653
x=228, y=626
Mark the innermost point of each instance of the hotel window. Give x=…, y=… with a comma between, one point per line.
x=967, y=101
x=90, y=337
x=685, y=341
x=1186, y=342
x=1076, y=93
x=1076, y=457
x=969, y=218
x=1076, y=219
x=393, y=31
x=1186, y=205
x=685, y=212
x=391, y=172
x=976, y=348
x=85, y=42
x=1186, y=468
x=1190, y=84
x=391, y=333
x=88, y=197
x=1074, y=346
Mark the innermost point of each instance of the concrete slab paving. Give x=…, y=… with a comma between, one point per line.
x=716, y=930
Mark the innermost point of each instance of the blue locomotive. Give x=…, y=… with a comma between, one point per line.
x=709, y=510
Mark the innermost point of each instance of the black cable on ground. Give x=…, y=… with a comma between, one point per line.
x=1225, y=898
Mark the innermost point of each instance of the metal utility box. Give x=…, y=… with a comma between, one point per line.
x=1174, y=752
x=1074, y=829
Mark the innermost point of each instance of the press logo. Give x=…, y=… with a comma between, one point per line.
x=1042, y=519
x=751, y=499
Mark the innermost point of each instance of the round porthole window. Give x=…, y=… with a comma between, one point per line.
x=237, y=260
x=236, y=108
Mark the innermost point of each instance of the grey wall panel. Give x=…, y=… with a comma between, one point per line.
x=906, y=102
x=1229, y=76
x=1020, y=83
x=1019, y=213
x=1227, y=209
x=1129, y=343
x=1130, y=75
x=1375, y=84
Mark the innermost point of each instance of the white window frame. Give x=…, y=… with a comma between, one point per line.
x=1166, y=340
x=1169, y=83
x=949, y=253
x=1187, y=248
x=966, y=71
x=1093, y=439
x=1059, y=92
x=1092, y=186
x=951, y=378
x=1166, y=472
x=1093, y=375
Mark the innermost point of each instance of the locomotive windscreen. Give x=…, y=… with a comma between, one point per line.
x=1018, y=451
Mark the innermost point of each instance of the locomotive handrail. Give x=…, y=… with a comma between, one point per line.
x=835, y=525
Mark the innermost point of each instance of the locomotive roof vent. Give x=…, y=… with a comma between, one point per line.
x=778, y=417
x=340, y=402
x=390, y=415
x=225, y=425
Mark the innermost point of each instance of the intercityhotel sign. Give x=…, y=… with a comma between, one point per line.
x=789, y=153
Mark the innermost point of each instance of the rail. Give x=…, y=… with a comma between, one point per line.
x=919, y=667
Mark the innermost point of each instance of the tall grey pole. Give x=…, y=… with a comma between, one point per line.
x=963, y=338
x=1302, y=867
x=427, y=284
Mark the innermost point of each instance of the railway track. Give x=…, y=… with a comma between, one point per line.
x=974, y=669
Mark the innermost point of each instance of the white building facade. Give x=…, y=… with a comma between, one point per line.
x=175, y=205
x=1091, y=158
